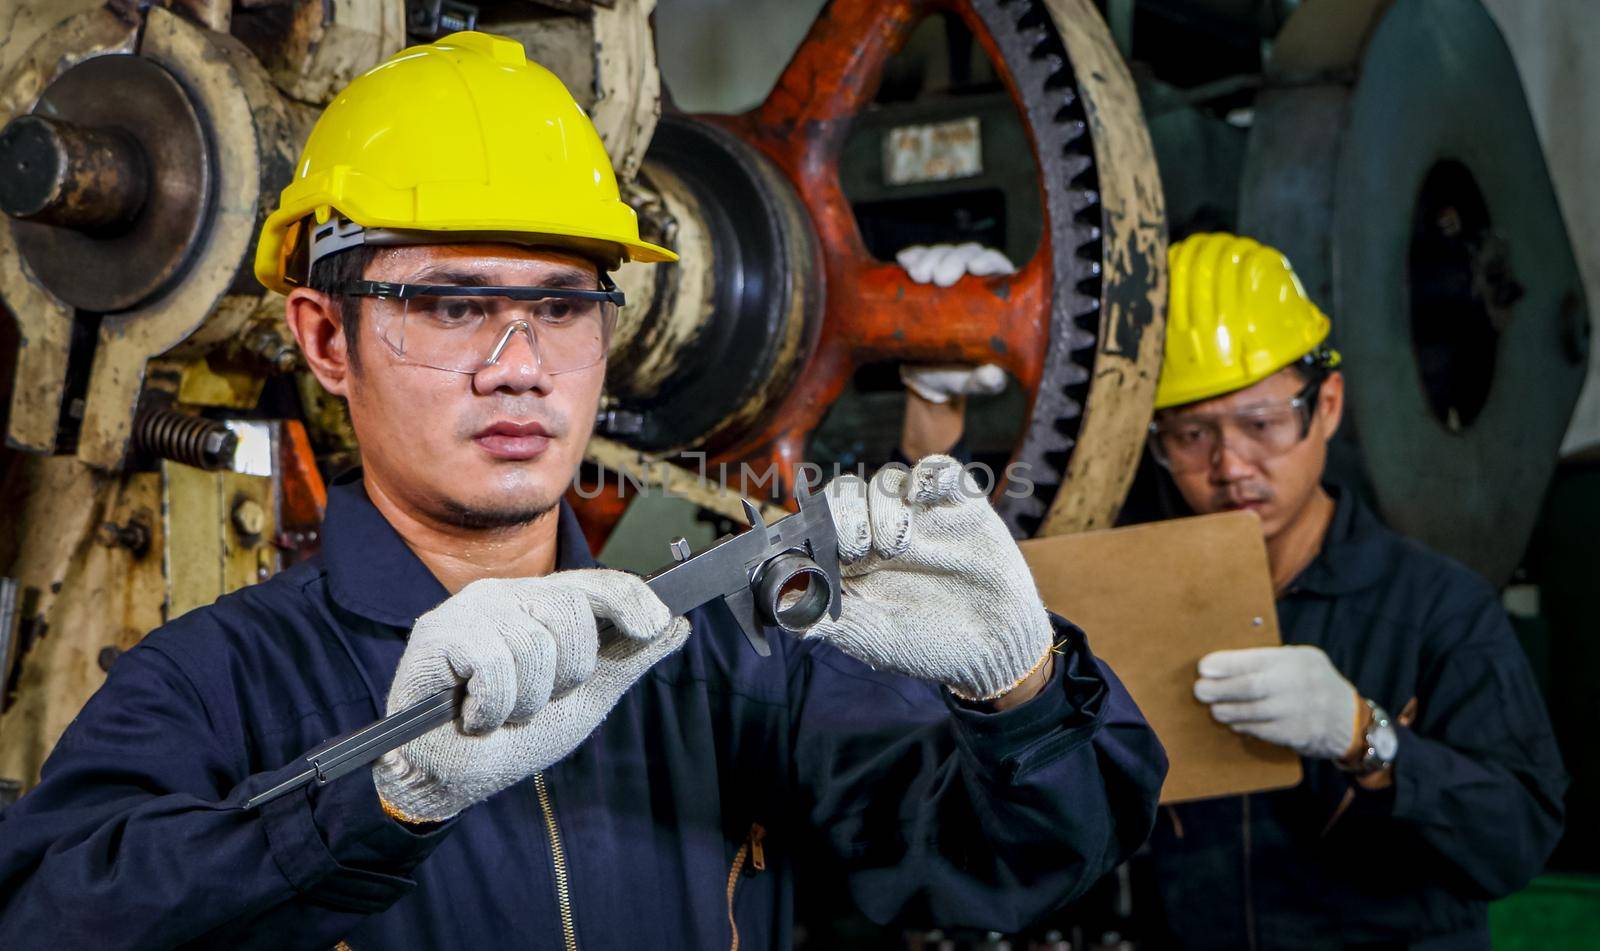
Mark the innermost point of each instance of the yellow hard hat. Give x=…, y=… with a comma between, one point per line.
x=463, y=139
x=1236, y=314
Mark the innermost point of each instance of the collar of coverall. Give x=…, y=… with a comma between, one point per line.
x=1352, y=558
x=372, y=572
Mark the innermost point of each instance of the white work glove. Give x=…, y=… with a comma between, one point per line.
x=539, y=679
x=944, y=264
x=934, y=586
x=1291, y=696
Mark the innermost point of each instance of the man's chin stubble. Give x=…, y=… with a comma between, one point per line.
x=475, y=518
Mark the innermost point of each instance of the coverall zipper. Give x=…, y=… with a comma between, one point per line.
x=569, y=932
x=752, y=849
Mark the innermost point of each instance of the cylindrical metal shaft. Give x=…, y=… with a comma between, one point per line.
x=60, y=173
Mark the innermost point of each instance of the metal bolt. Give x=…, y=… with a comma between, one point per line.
x=1256, y=622
x=680, y=549
x=277, y=353
x=249, y=518
x=134, y=536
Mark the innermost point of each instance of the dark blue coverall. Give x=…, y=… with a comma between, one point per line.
x=930, y=809
x=1476, y=805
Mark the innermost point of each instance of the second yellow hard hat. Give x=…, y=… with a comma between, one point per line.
x=461, y=137
x=1236, y=314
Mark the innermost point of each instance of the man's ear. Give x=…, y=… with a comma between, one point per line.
x=1330, y=404
x=315, y=321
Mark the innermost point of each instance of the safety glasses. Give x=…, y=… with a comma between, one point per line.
x=465, y=328
x=1189, y=442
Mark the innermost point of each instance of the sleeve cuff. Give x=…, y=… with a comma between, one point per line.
x=1414, y=796
x=1065, y=714
x=335, y=843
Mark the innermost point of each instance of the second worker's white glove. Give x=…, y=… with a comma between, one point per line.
x=934, y=586
x=943, y=265
x=1290, y=696
x=539, y=679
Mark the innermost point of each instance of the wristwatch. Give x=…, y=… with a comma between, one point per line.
x=1382, y=744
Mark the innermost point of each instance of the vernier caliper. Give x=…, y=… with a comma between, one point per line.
x=785, y=575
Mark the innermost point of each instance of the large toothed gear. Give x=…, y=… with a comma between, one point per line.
x=777, y=300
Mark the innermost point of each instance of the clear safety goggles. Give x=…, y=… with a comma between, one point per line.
x=1190, y=442
x=467, y=328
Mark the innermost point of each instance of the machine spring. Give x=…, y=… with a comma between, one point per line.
x=179, y=437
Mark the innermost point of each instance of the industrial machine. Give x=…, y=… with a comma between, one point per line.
x=164, y=446
x=167, y=449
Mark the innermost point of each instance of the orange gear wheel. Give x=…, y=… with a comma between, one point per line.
x=1079, y=325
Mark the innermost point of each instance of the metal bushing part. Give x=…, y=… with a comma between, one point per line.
x=1394, y=160
x=792, y=591
x=111, y=182
x=700, y=371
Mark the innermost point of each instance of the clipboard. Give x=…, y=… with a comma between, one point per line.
x=1153, y=599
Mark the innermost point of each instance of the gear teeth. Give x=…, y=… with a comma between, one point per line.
x=1082, y=199
x=1079, y=339
x=1074, y=162
x=1026, y=31
x=1073, y=374
x=1061, y=78
x=1084, y=305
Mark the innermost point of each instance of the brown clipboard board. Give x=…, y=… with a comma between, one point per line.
x=1153, y=599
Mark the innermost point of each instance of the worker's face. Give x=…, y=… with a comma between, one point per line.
x=1277, y=487
x=489, y=449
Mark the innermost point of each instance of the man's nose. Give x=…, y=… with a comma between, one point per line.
x=1227, y=465
x=516, y=366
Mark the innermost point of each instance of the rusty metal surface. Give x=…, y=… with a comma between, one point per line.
x=313, y=48
x=44, y=321
x=21, y=24
x=219, y=527
x=647, y=345
x=258, y=132
x=91, y=544
x=627, y=81
x=103, y=272
x=59, y=173
x=88, y=593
